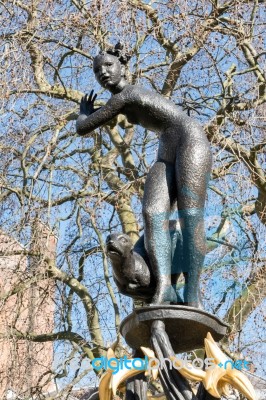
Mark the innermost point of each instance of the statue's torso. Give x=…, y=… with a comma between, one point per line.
x=156, y=113
x=151, y=110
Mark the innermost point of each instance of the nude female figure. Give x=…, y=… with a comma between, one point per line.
x=180, y=173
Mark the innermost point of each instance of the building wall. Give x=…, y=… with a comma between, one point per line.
x=25, y=366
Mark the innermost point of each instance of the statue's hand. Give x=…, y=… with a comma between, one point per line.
x=87, y=104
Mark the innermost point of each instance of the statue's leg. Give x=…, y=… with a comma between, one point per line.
x=159, y=193
x=193, y=167
x=177, y=256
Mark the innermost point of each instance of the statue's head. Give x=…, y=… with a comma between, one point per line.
x=109, y=67
x=119, y=245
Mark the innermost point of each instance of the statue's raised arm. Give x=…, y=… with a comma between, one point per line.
x=179, y=176
x=91, y=118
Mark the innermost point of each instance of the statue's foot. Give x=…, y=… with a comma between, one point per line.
x=192, y=297
x=195, y=304
x=164, y=295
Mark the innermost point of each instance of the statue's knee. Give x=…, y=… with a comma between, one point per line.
x=155, y=216
x=147, y=213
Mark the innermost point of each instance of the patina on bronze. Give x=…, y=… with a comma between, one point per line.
x=149, y=270
x=180, y=173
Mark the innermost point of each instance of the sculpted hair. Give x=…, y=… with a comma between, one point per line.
x=119, y=52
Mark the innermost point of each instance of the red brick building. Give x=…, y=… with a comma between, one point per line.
x=25, y=366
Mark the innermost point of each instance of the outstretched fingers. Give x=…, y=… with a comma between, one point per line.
x=91, y=97
x=87, y=103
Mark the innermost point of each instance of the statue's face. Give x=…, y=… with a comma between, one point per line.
x=108, y=70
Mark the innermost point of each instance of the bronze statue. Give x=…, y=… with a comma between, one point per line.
x=180, y=173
